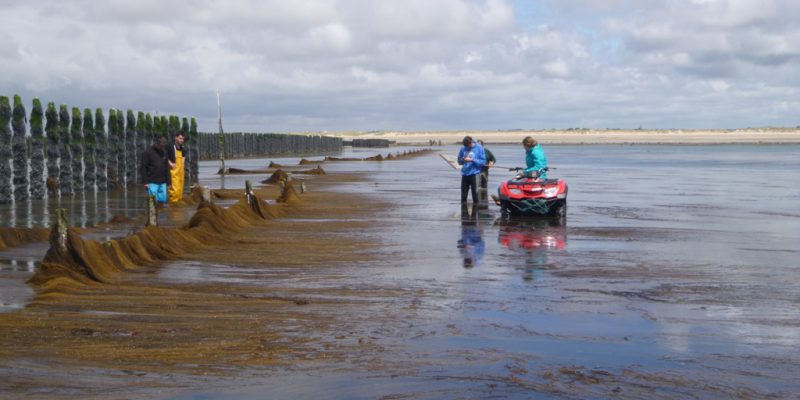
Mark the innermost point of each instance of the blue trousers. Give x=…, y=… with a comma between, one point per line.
x=158, y=190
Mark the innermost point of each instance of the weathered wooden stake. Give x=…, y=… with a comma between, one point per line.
x=61, y=229
x=205, y=192
x=152, y=211
x=248, y=191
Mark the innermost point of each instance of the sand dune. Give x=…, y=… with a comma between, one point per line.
x=755, y=136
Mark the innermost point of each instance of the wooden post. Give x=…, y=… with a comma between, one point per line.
x=248, y=191
x=61, y=228
x=5, y=151
x=37, y=150
x=205, y=193
x=152, y=211
x=221, y=137
x=19, y=146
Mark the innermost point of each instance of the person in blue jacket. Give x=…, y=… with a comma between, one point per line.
x=535, y=159
x=471, y=158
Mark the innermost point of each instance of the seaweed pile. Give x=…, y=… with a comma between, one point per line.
x=380, y=157
x=87, y=261
x=12, y=237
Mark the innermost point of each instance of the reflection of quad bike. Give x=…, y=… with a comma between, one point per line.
x=528, y=195
x=521, y=234
x=533, y=239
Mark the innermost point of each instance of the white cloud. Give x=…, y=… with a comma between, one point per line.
x=416, y=64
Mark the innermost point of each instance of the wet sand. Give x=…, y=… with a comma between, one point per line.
x=349, y=294
x=141, y=332
x=678, y=136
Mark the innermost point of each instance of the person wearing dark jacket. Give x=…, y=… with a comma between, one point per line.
x=155, y=170
x=490, y=160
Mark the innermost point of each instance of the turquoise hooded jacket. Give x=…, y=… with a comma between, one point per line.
x=535, y=160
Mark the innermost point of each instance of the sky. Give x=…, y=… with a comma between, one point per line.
x=377, y=65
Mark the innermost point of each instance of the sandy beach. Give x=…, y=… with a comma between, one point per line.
x=365, y=285
x=737, y=136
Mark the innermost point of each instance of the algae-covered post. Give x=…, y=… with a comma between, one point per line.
x=156, y=129
x=112, y=155
x=130, y=149
x=37, y=150
x=164, y=126
x=51, y=129
x=5, y=150
x=194, y=149
x=76, y=145
x=20, y=149
x=173, y=127
x=122, y=167
x=60, y=228
x=149, y=132
x=89, y=162
x=64, y=152
x=187, y=146
x=221, y=137
x=101, y=149
x=141, y=143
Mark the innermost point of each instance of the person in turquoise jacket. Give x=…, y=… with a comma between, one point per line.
x=471, y=158
x=534, y=157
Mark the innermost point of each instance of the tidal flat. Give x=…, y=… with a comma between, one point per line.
x=674, y=276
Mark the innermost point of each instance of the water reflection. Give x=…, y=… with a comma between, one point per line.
x=471, y=244
x=534, y=239
x=83, y=209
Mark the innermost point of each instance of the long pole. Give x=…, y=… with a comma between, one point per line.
x=221, y=136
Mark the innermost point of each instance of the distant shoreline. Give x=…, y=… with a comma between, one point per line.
x=739, y=136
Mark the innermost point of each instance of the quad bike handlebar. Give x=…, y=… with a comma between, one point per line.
x=531, y=174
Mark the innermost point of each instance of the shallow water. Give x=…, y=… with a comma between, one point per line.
x=676, y=272
x=675, y=275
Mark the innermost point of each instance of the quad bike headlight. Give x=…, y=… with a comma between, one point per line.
x=551, y=191
x=515, y=191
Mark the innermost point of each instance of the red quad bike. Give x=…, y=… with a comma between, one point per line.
x=527, y=195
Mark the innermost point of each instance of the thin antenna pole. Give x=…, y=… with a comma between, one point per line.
x=221, y=136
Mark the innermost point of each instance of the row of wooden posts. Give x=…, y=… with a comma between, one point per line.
x=78, y=153
x=242, y=145
x=81, y=156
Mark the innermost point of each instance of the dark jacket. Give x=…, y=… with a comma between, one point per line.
x=171, y=152
x=489, y=158
x=155, y=168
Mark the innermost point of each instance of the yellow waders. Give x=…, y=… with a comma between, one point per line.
x=175, y=190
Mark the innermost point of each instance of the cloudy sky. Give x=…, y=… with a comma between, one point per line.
x=336, y=65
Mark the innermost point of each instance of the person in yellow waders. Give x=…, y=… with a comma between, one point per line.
x=176, y=161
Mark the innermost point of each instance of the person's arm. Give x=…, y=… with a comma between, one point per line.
x=480, y=157
x=490, y=160
x=143, y=172
x=171, y=156
x=461, y=156
x=541, y=160
x=530, y=161
x=167, y=172
x=536, y=159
